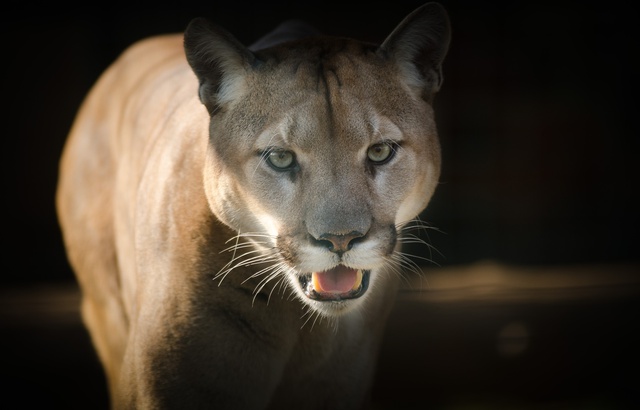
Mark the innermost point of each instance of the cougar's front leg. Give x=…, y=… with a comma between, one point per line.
x=215, y=353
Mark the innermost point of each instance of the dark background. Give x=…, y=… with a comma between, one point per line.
x=537, y=119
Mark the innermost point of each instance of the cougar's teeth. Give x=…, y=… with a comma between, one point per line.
x=358, y=281
x=316, y=282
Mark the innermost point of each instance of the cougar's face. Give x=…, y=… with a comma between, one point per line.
x=319, y=163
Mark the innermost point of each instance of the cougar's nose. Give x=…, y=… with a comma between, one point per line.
x=339, y=243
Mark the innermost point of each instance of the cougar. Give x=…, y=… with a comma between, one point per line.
x=235, y=215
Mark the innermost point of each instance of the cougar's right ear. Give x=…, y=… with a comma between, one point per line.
x=219, y=61
x=419, y=45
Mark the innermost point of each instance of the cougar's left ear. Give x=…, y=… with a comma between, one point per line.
x=419, y=45
x=219, y=61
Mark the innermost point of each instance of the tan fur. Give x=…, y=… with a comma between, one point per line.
x=163, y=169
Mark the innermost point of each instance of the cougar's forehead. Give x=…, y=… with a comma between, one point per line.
x=320, y=92
x=310, y=130
x=336, y=95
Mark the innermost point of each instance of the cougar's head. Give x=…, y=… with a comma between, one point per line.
x=321, y=149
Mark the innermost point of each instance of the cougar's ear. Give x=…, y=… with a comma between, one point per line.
x=219, y=61
x=419, y=45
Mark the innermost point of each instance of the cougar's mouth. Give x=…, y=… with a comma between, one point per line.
x=339, y=283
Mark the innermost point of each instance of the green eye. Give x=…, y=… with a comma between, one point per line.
x=381, y=153
x=280, y=160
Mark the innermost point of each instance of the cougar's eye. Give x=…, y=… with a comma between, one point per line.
x=280, y=160
x=382, y=152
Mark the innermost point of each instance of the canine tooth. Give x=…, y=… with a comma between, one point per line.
x=358, y=281
x=316, y=283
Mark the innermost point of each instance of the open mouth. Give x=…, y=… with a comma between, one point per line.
x=339, y=283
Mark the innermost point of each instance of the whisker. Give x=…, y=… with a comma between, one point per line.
x=318, y=316
x=394, y=265
x=418, y=226
x=235, y=248
x=411, y=238
x=254, y=260
x=235, y=258
x=277, y=270
x=424, y=258
x=309, y=312
x=278, y=283
x=263, y=271
x=292, y=294
x=409, y=266
x=406, y=237
x=407, y=263
x=232, y=256
x=401, y=262
x=252, y=252
x=264, y=282
x=250, y=235
x=283, y=288
x=239, y=262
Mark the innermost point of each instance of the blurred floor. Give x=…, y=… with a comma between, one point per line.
x=483, y=336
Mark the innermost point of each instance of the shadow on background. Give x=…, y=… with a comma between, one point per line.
x=540, y=151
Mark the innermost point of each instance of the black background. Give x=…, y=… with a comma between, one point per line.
x=537, y=119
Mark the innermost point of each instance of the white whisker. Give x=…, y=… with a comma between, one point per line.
x=277, y=269
x=242, y=246
x=265, y=270
x=250, y=235
x=309, y=312
x=254, y=260
x=405, y=262
x=247, y=262
x=264, y=282
x=251, y=252
x=405, y=237
x=318, y=316
x=278, y=283
x=393, y=264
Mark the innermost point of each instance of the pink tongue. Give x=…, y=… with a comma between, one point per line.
x=337, y=280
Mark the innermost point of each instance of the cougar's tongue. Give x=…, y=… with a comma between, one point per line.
x=337, y=280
